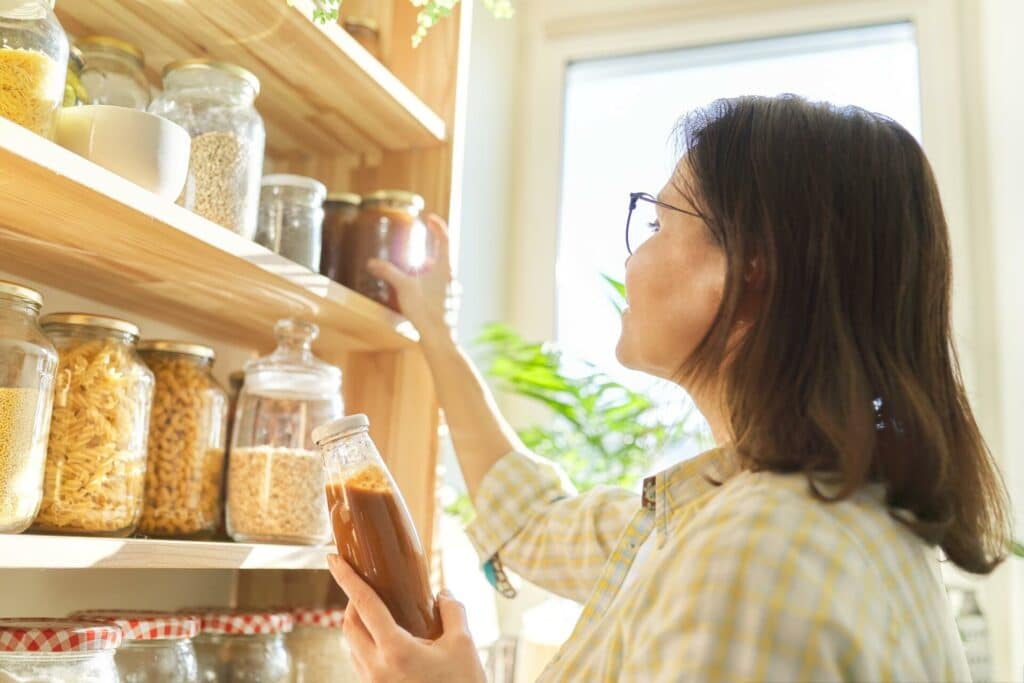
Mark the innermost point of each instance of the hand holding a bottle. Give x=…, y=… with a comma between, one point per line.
x=422, y=295
x=382, y=651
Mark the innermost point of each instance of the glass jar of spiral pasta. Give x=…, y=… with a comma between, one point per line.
x=187, y=432
x=28, y=362
x=96, y=459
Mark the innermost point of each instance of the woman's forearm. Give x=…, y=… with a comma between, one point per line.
x=480, y=433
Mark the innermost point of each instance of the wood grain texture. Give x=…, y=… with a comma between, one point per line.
x=76, y=226
x=321, y=90
x=31, y=551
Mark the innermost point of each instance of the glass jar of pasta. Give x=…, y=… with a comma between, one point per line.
x=96, y=460
x=187, y=431
x=33, y=64
x=275, y=476
x=28, y=362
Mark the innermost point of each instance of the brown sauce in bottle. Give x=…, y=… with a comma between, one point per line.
x=375, y=535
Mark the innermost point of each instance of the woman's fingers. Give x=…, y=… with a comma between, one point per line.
x=358, y=638
x=373, y=613
x=389, y=273
x=439, y=229
x=453, y=614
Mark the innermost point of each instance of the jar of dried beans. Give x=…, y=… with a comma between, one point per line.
x=214, y=102
x=187, y=431
x=28, y=362
x=96, y=460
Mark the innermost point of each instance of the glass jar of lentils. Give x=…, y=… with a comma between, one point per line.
x=214, y=102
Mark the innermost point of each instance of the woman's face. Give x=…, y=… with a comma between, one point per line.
x=674, y=286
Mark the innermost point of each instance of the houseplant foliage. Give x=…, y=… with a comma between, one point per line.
x=430, y=12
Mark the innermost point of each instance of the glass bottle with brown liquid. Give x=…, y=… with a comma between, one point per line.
x=372, y=527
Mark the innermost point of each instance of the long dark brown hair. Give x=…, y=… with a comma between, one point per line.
x=846, y=363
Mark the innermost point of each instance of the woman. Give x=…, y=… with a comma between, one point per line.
x=797, y=285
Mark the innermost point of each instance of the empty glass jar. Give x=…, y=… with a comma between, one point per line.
x=291, y=218
x=156, y=646
x=187, y=430
x=275, y=478
x=114, y=72
x=214, y=102
x=33, y=64
x=242, y=646
x=28, y=362
x=44, y=650
x=96, y=459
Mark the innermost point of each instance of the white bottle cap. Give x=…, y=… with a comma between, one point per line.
x=350, y=424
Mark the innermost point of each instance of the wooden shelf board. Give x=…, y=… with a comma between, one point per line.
x=322, y=92
x=31, y=551
x=67, y=222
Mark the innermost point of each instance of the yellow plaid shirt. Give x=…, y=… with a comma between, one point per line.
x=753, y=580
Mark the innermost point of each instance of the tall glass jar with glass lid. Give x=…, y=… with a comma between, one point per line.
x=114, y=72
x=33, y=64
x=214, y=102
x=156, y=646
x=291, y=217
x=28, y=363
x=96, y=460
x=58, y=650
x=187, y=433
x=275, y=477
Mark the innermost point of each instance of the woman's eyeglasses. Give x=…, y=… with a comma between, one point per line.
x=642, y=219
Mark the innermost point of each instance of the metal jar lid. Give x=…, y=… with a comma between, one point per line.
x=130, y=49
x=290, y=180
x=21, y=292
x=87, y=320
x=397, y=197
x=205, y=63
x=343, y=426
x=344, y=198
x=168, y=346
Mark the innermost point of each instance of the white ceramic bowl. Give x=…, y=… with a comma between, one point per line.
x=142, y=147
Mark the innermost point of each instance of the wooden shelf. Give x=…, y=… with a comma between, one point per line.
x=30, y=551
x=67, y=222
x=322, y=92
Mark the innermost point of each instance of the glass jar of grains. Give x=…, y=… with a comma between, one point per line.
x=242, y=646
x=291, y=217
x=45, y=650
x=28, y=362
x=318, y=648
x=275, y=476
x=156, y=646
x=187, y=432
x=214, y=102
x=96, y=460
x=340, y=212
x=33, y=64
x=114, y=72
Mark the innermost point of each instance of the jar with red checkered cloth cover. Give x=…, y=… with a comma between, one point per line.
x=58, y=650
x=157, y=646
x=242, y=644
x=318, y=648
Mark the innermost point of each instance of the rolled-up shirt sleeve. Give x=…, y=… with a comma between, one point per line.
x=530, y=518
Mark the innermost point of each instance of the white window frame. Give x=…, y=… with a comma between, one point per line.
x=556, y=34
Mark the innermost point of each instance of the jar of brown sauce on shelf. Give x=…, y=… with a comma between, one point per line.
x=340, y=212
x=389, y=228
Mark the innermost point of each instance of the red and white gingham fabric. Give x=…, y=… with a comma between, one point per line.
x=242, y=621
x=327, y=617
x=57, y=635
x=145, y=625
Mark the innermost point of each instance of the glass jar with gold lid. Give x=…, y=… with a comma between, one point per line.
x=96, y=460
x=33, y=64
x=114, y=72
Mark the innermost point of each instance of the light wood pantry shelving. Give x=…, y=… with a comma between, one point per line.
x=30, y=551
x=332, y=111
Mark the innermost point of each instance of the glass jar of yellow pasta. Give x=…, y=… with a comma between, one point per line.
x=27, y=364
x=96, y=460
x=33, y=64
x=187, y=432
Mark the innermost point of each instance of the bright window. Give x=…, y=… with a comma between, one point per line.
x=619, y=116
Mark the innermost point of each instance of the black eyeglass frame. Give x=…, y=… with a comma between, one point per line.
x=634, y=197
